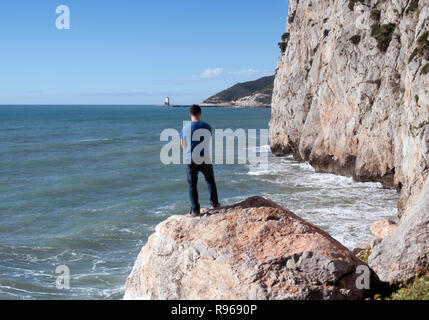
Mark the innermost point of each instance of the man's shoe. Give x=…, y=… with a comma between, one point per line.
x=217, y=206
x=194, y=214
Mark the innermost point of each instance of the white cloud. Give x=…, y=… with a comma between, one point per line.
x=220, y=72
x=245, y=72
x=210, y=73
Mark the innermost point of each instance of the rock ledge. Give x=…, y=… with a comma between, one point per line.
x=255, y=249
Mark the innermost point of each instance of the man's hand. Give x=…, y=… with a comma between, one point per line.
x=183, y=143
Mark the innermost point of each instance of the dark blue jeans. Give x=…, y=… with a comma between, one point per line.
x=192, y=171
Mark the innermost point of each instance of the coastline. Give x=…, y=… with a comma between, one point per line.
x=232, y=105
x=220, y=105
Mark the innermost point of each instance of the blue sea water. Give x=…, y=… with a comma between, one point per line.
x=83, y=186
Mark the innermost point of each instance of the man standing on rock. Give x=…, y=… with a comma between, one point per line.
x=196, y=138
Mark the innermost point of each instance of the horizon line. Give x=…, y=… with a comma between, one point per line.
x=83, y=104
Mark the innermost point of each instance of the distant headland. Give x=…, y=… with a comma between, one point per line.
x=252, y=94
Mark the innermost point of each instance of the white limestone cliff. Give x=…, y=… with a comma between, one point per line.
x=351, y=94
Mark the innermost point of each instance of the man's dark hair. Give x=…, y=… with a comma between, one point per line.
x=195, y=110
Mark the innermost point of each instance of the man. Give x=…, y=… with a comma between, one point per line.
x=196, y=137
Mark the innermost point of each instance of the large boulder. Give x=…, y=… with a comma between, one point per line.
x=405, y=253
x=255, y=249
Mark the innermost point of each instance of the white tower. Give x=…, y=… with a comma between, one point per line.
x=167, y=101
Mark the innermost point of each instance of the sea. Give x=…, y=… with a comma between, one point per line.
x=83, y=187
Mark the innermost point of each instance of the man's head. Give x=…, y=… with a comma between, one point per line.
x=195, y=112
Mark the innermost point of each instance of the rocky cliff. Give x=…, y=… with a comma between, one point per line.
x=252, y=250
x=351, y=96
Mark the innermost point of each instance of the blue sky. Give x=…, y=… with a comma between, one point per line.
x=135, y=52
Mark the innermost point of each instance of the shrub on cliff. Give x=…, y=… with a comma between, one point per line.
x=285, y=36
x=425, y=69
x=376, y=15
x=412, y=7
x=355, y=39
x=423, y=45
x=383, y=34
x=284, y=42
x=417, y=290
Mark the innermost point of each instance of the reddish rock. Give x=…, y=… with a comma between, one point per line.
x=383, y=228
x=255, y=249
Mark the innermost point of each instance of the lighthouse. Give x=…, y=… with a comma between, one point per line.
x=167, y=102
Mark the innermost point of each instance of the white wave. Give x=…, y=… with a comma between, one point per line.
x=16, y=289
x=168, y=207
x=271, y=169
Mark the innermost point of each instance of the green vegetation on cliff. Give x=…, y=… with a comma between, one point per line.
x=383, y=34
x=417, y=290
x=263, y=85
